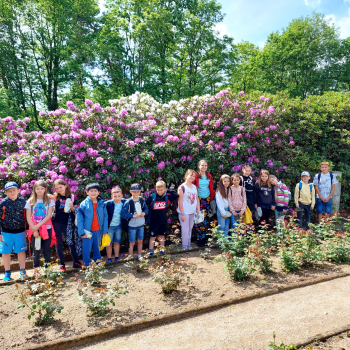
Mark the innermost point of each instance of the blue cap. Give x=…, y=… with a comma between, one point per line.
x=11, y=185
x=135, y=187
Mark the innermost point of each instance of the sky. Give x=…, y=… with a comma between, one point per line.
x=254, y=20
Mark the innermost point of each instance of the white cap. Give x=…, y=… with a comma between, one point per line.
x=305, y=173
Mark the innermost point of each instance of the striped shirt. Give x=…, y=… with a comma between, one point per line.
x=282, y=195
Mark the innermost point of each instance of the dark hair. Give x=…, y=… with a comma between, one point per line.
x=199, y=171
x=68, y=192
x=221, y=187
x=92, y=186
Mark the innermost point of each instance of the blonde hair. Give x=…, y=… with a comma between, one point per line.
x=161, y=184
x=325, y=163
x=34, y=198
x=273, y=177
x=235, y=175
x=246, y=166
x=263, y=171
x=189, y=171
x=116, y=190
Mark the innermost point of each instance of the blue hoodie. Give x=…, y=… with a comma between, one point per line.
x=110, y=209
x=86, y=213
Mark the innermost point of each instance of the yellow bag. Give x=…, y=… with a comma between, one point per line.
x=247, y=216
x=105, y=241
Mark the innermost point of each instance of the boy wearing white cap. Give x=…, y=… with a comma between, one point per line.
x=304, y=198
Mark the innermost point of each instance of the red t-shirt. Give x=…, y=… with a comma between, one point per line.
x=95, y=225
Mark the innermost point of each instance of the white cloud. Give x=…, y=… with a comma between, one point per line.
x=262, y=44
x=312, y=3
x=343, y=23
x=222, y=29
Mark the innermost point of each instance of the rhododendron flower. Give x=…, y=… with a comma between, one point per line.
x=271, y=110
x=193, y=138
x=114, y=168
x=242, y=93
x=22, y=173
x=161, y=165
x=99, y=160
x=286, y=132
x=88, y=103
x=63, y=169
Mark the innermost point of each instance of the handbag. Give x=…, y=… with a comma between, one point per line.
x=198, y=218
x=105, y=242
x=247, y=216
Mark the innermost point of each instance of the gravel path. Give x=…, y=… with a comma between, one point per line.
x=295, y=316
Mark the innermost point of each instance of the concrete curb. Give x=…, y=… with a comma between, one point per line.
x=103, y=334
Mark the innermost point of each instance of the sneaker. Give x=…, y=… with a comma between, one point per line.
x=23, y=274
x=162, y=253
x=7, y=276
x=139, y=256
x=63, y=268
x=189, y=248
x=150, y=253
x=116, y=258
x=109, y=261
x=77, y=265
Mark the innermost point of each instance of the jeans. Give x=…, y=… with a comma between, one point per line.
x=307, y=211
x=94, y=244
x=324, y=207
x=186, y=230
x=136, y=232
x=224, y=224
x=115, y=234
x=45, y=247
x=61, y=229
x=234, y=220
x=279, y=217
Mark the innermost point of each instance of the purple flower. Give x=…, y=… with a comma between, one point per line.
x=271, y=110
x=99, y=160
x=242, y=93
x=22, y=173
x=88, y=103
x=161, y=165
x=286, y=132
x=63, y=169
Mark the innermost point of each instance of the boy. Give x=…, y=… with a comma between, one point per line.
x=13, y=229
x=324, y=183
x=282, y=199
x=135, y=210
x=92, y=220
x=114, y=208
x=158, y=204
x=304, y=198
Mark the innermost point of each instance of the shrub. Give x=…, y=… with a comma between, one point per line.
x=93, y=272
x=238, y=267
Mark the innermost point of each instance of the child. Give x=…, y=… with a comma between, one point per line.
x=247, y=183
x=304, y=198
x=221, y=197
x=39, y=210
x=188, y=204
x=114, y=208
x=158, y=206
x=92, y=222
x=135, y=210
x=13, y=229
x=60, y=220
x=324, y=183
x=237, y=199
x=282, y=199
x=264, y=196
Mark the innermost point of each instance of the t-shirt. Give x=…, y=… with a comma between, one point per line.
x=95, y=225
x=247, y=183
x=203, y=188
x=60, y=216
x=189, y=200
x=325, y=185
x=39, y=210
x=116, y=214
x=158, y=214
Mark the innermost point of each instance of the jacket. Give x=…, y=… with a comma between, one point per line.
x=13, y=215
x=211, y=185
x=110, y=205
x=127, y=215
x=86, y=213
x=43, y=231
x=221, y=203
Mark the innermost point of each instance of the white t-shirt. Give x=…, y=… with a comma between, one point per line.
x=325, y=185
x=40, y=210
x=189, y=201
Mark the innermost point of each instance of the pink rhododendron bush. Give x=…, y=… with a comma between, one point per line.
x=138, y=139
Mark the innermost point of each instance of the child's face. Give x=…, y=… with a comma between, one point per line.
x=40, y=191
x=236, y=181
x=117, y=197
x=93, y=193
x=191, y=177
x=203, y=166
x=160, y=190
x=61, y=189
x=135, y=194
x=12, y=193
x=273, y=181
x=247, y=171
x=226, y=182
x=324, y=168
x=305, y=178
x=264, y=177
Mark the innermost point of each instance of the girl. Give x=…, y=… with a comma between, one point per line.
x=221, y=197
x=237, y=199
x=264, y=196
x=204, y=183
x=63, y=223
x=247, y=183
x=39, y=210
x=188, y=205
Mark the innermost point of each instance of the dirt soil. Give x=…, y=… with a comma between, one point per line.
x=339, y=342
x=209, y=284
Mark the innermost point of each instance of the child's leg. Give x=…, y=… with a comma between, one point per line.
x=132, y=239
x=59, y=241
x=131, y=248
x=140, y=235
x=300, y=215
x=87, y=245
x=227, y=226
x=320, y=209
x=36, y=253
x=184, y=231
x=190, y=227
x=96, y=238
x=265, y=216
x=45, y=246
x=117, y=240
x=139, y=246
x=307, y=211
x=109, y=251
x=73, y=252
x=116, y=249
x=152, y=240
x=6, y=258
x=21, y=259
x=161, y=239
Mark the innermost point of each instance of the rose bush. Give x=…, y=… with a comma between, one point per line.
x=137, y=139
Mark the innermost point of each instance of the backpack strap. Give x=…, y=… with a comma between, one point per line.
x=319, y=178
x=153, y=200
x=3, y=213
x=166, y=201
x=331, y=178
x=310, y=188
x=183, y=188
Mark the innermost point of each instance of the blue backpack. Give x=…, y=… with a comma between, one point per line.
x=301, y=185
x=152, y=206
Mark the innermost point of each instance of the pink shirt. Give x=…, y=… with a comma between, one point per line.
x=237, y=199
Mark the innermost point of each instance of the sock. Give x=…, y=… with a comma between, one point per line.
x=21, y=270
x=8, y=271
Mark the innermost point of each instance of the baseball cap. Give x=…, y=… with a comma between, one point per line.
x=305, y=173
x=135, y=187
x=11, y=185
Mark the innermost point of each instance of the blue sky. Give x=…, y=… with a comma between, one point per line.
x=254, y=20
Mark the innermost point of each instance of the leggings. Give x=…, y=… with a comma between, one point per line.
x=186, y=230
x=202, y=226
x=265, y=216
x=45, y=247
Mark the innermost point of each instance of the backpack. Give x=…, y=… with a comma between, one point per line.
x=301, y=185
x=176, y=203
x=319, y=178
x=125, y=222
x=152, y=206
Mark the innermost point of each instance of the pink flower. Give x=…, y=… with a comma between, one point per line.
x=242, y=93
x=287, y=132
x=22, y=173
x=161, y=165
x=271, y=110
x=210, y=142
x=193, y=138
x=99, y=160
x=63, y=169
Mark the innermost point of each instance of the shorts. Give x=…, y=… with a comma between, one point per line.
x=136, y=232
x=159, y=230
x=115, y=234
x=324, y=207
x=16, y=242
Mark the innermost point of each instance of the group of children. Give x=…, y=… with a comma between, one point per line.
x=48, y=218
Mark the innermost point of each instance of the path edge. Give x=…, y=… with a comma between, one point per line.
x=110, y=332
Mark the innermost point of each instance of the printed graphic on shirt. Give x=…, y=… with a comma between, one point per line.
x=248, y=184
x=160, y=205
x=191, y=197
x=266, y=191
x=62, y=203
x=39, y=212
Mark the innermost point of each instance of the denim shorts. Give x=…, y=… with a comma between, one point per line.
x=115, y=234
x=15, y=242
x=136, y=232
x=324, y=207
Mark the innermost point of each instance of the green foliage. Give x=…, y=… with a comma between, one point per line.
x=93, y=272
x=238, y=267
x=280, y=346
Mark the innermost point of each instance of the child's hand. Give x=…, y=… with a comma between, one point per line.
x=36, y=234
x=183, y=218
x=35, y=228
x=224, y=216
x=312, y=207
x=135, y=216
x=235, y=214
x=0, y=238
x=51, y=196
x=273, y=208
x=143, y=214
x=71, y=206
x=84, y=236
x=326, y=200
x=284, y=211
x=256, y=206
x=297, y=205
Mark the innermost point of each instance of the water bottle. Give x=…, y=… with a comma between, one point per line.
x=66, y=206
x=37, y=243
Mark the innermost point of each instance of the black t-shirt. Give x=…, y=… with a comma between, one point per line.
x=158, y=215
x=61, y=217
x=247, y=183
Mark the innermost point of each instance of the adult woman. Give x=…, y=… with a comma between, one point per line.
x=205, y=185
